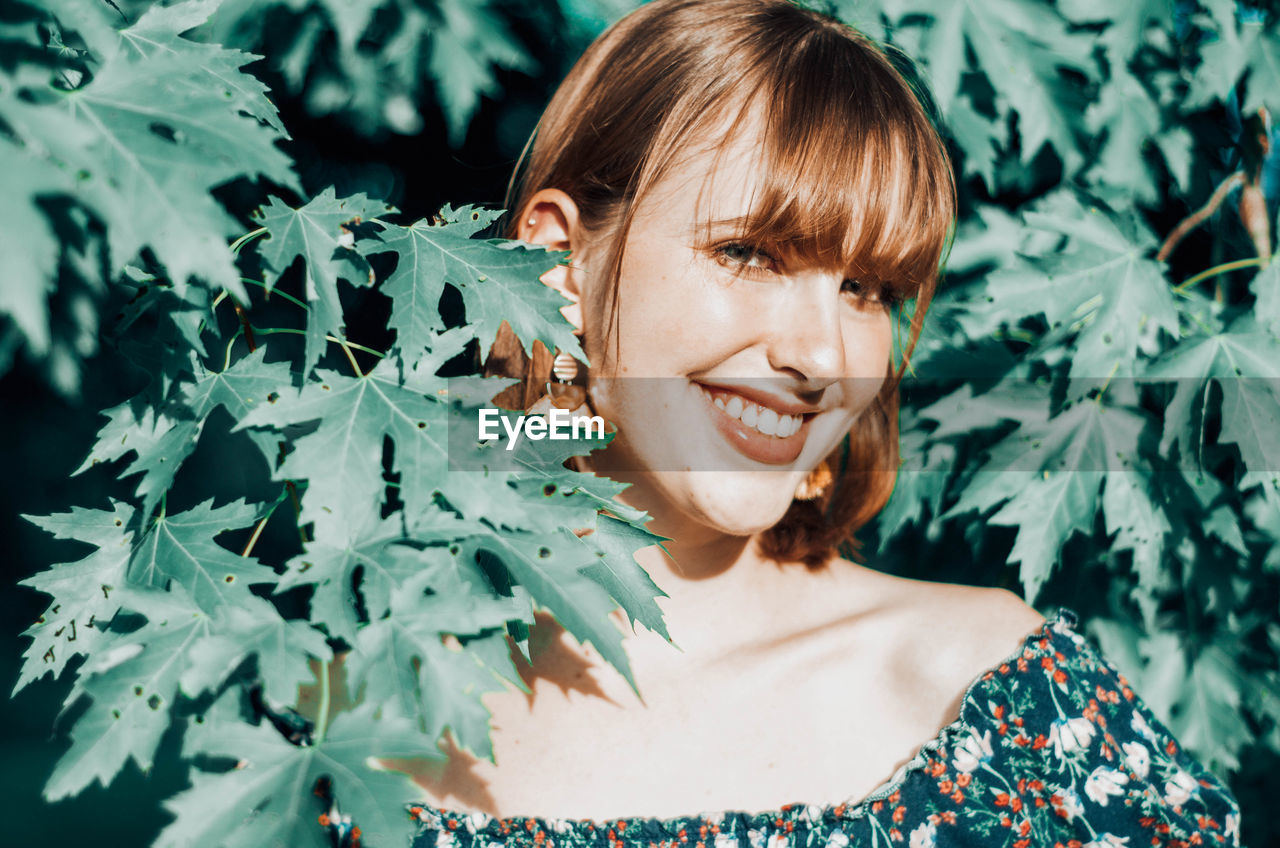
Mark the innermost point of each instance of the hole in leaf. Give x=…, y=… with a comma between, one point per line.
x=154, y=702
x=137, y=690
x=115, y=714
x=422, y=425
x=230, y=578
x=119, y=523
x=549, y=489
x=475, y=216
x=543, y=553
x=324, y=386
x=273, y=397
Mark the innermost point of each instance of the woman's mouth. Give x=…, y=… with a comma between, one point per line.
x=757, y=430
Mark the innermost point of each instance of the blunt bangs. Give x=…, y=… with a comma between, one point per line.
x=853, y=173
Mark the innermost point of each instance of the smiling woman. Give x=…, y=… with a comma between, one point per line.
x=748, y=190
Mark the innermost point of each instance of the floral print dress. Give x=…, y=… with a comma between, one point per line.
x=1052, y=748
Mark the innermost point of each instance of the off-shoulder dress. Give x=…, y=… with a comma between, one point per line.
x=1052, y=747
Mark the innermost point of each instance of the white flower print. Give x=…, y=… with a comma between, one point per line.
x=724, y=840
x=1231, y=826
x=756, y=838
x=838, y=839
x=778, y=840
x=813, y=813
x=1179, y=788
x=1140, y=727
x=1104, y=782
x=477, y=821
x=1067, y=735
x=924, y=836
x=445, y=839
x=1139, y=759
x=1072, y=804
x=716, y=818
x=974, y=751
x=1108, y=840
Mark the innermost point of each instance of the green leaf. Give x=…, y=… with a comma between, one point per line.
x=1019, y=47
x=549, y=566
x=400, y=661
x=131, y=687
x=420, y=276
x=499, y=281
x=1100, y=283
x=162, y=440
x=155, y=133
x=317, y=232
x=342, y=459
x=283, y=648
x=180, y=550
x=471, y=40
x=616, y=543
x=1245, y=364
x=81, y=590
x=269, y=800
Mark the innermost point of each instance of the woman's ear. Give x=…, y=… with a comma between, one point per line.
x=550, y=218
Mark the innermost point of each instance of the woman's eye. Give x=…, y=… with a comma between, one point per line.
x=745, y=256
x=868, y=294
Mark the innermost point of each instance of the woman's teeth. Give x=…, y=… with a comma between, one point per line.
x=759, y=418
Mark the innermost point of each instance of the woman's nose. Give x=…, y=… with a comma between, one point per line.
x=807, y=337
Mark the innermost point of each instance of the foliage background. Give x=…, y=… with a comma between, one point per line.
x=1084, y=132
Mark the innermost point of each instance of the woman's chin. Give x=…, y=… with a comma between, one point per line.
x=731, y=503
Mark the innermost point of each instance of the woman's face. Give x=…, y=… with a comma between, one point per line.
x=731, y=373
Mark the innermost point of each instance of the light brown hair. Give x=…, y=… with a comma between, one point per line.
x=854, y=175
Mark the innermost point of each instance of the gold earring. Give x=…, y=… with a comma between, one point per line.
x=565, y=367
x=815, y=483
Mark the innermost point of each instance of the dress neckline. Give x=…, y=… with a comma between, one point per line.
x=1064, y=619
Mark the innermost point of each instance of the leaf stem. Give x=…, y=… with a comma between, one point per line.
x=257, y=531
x=322, y=718
x=270, y=290
x=246, y=238
x=226, y=360
x=269, y=330
x=1198, y=217
x=1217, y=270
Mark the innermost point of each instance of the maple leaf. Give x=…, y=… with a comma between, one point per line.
x=1055, y=468
x=499, y=281
x=1135, y=516
x=1100, y=282
x=270, y=800
x=549, y=566
x=342, y=458
x=471, y=40
x=154, y=136
x=317, y=233
x=283, y=649
x=1020, y=48
x=1243, y=362
x=163, y=439
x=401, y=661
x=616, y=543
x=131, y=687
x=331, y=567
x=81, y=590
x=1248, y=49
x=419, y=279
x=179, y=550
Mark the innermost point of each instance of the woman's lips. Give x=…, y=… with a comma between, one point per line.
x=754, y=430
